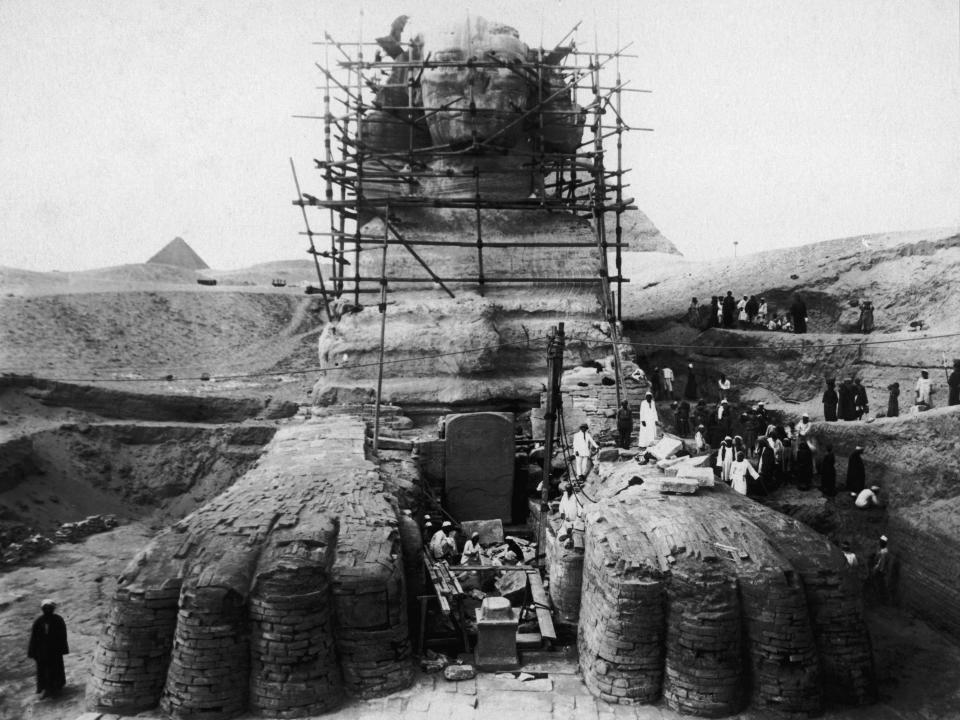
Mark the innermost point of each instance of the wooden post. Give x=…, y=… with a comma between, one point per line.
x=383, y=332
x=554, y=370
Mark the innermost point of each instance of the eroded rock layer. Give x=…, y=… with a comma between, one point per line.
x=713, y=601
x=279, y=595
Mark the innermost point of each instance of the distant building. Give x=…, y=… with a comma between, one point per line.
x=178, y=253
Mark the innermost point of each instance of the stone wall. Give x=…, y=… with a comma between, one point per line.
x=712, y=601
x=587, y=400
x=565, y=569
x=280, y=595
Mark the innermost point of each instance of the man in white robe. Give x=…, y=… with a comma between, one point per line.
x=584, y=446
x=649, y=419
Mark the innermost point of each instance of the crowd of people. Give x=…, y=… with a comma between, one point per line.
x=849, y=401
x=750, y=312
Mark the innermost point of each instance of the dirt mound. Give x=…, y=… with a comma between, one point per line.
x=151, y=333
x=906, y=275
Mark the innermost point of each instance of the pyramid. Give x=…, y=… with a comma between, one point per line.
x=177, y=252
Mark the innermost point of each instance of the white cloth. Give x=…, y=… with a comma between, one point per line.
x=649, y=418
x=700, y=442
x=803, y=429
x=923, y=390
x=739, y=470
x=668, y=374
x=724, y=386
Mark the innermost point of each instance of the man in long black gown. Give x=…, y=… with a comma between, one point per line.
x=856, y=473
x=830, y=401
x=48, y=645
x=798, y=309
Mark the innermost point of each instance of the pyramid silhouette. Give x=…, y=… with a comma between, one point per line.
x=177, y=252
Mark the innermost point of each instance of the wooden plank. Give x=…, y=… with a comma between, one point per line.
x=542, y=604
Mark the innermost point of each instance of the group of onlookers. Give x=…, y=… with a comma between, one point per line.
x=849, y=401
x=749, y=312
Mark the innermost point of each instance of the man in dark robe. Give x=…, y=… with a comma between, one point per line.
x=714, y=311
x=624, y=425
x=893, y=403
x=847, y=396
x=753, y=307
x=683, y=418
x=830, y=400
x=860, y=399
x=729, y=310
x=804, y=465
x=828, y=473
x=953, y=382
x=48, y=645
x=856, y=473
x=693, y=314
x=766, y=466
x=798, y=310
x=690, y=390
x=654, y=378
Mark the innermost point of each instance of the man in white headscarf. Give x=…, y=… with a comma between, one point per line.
x=649, y=419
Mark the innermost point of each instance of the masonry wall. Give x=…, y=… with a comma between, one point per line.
x=279, y=596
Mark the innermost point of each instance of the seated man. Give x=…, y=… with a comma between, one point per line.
x=867, y=498
x=443, y=544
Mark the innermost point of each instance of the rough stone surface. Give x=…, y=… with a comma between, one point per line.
x=686, y=597
x=479, y=466
x=289, y=584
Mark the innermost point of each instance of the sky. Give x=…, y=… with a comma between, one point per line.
x=126, y=124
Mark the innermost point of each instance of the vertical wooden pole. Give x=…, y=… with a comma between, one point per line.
x=383, y=329
x=554, y=403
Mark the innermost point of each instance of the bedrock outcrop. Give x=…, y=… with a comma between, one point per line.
x=714, y=602
x=279, y=596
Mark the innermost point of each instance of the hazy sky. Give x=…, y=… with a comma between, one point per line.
x=124, y=124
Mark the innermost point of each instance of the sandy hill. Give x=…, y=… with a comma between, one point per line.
x=907, y=275
x=178, y=252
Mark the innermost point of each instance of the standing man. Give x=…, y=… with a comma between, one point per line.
x=683, y=419
x=856, y=473
x=655, y=382
x=624, y=425
x=690, y=390
x=729, y=310
x=584, y=446
x=848, y=404
x=48, y=645
x=828, y=473
x=668, y=382
x=649, y=419
x=953, y=382
x=798, y=309
x=860, y=398
x=830, y=401
x=923, y=389
x=880, y=571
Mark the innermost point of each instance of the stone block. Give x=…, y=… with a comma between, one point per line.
x=491, y=531
x=666, y=447
x=479, y=450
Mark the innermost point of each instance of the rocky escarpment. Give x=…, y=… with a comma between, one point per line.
x=916, y=462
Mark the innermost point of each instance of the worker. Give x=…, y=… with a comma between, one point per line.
x=739, y=470
x=880, y=572
x=584, y=446
x=624, y=425
x=471, y=551
x=867, y=498
x=443, y=545
x=571, y=514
